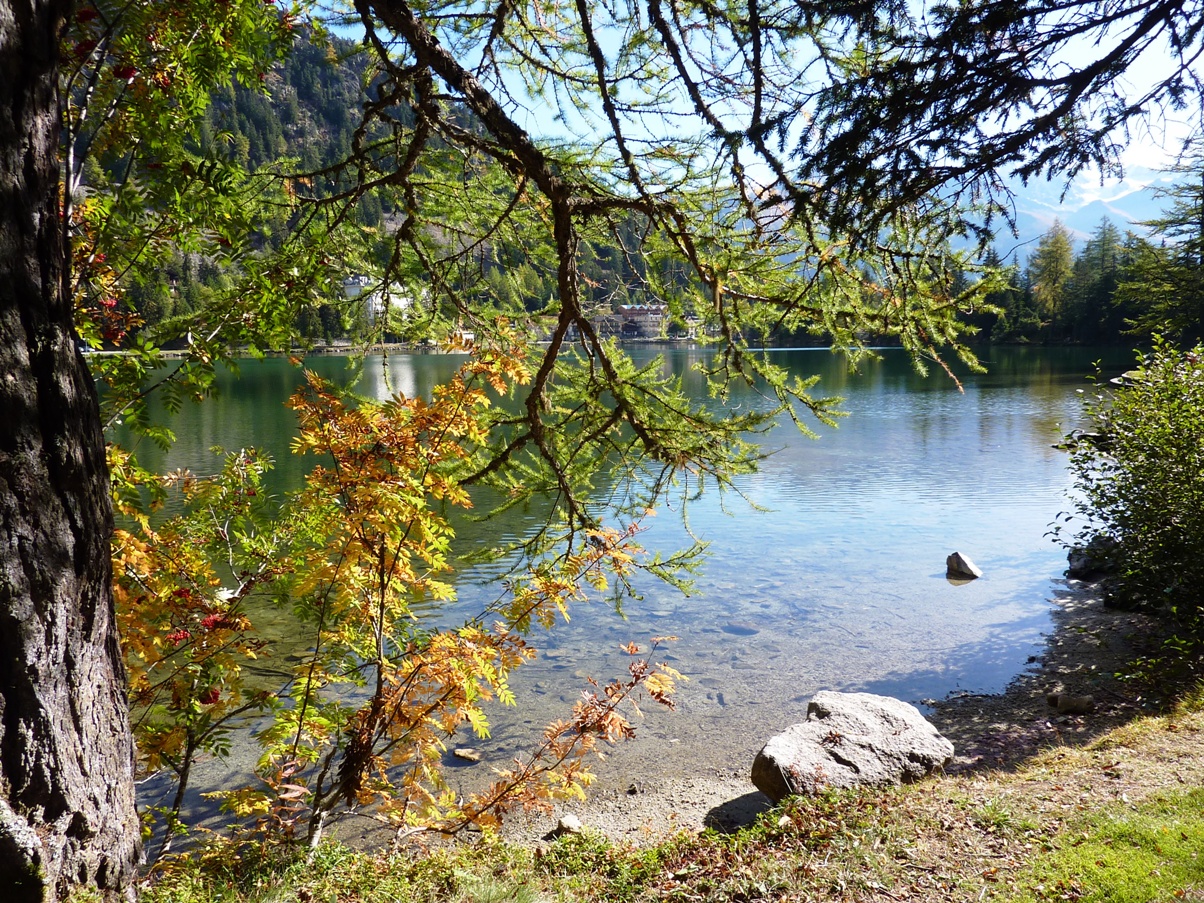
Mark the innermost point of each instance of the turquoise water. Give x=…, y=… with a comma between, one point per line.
x=838, y=584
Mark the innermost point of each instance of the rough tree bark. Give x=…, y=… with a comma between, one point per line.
x=67, y=812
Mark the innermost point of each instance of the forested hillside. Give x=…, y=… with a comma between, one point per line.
x=309, y=112
x=300, y=120
x=298, y=123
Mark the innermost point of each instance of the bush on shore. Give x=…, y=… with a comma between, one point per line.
x=1139, y=475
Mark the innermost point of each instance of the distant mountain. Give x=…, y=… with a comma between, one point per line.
x=1081, y=206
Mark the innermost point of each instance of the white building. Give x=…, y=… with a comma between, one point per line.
x=377, y=299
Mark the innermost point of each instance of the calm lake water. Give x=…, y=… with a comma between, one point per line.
x=838, y=585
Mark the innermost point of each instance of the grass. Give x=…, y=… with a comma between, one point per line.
x=1120, y=819
x=1154, y=851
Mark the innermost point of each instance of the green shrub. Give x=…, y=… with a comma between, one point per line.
x=1139, y=475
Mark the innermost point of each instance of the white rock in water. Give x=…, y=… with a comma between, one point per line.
x=958, y=566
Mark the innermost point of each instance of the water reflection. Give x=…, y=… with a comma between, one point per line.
x=409, y=375
x=839, y=585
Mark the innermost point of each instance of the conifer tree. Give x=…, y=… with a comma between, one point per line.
x=1049, y=271
x=1163, y=282
x=1091, y=313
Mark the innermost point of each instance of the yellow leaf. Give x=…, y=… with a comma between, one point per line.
x=659, y=684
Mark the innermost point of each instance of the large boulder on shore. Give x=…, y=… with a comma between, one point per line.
x=850, y=739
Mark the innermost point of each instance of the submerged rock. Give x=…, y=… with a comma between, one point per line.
x=740, y=628
x=1071, y=705
x=850, y=739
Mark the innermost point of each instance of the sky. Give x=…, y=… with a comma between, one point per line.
x=1151, y=147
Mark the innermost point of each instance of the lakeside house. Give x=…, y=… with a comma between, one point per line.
x=642, y=321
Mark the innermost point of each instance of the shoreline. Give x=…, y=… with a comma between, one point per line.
x=1081, y=655
x=1088, y=645
x=350, y=349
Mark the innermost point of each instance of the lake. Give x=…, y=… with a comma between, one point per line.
x=839, y=584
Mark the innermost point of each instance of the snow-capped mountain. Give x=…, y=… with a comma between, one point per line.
x=1082, y=205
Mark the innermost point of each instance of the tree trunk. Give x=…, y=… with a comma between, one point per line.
x=67, y=814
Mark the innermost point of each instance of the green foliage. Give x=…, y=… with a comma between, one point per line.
x=219, y=870
x=1093, y=313
x=1115, y=286
x=490, y=889
x=1014, y=318
x=602, y=868
x=1139, y=473
x=1063, y=296
x=996, y=817
x=138, y=190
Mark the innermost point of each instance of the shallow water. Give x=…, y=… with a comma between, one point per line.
x=838, y=585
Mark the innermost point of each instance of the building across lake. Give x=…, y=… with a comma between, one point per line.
x=642, y=321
